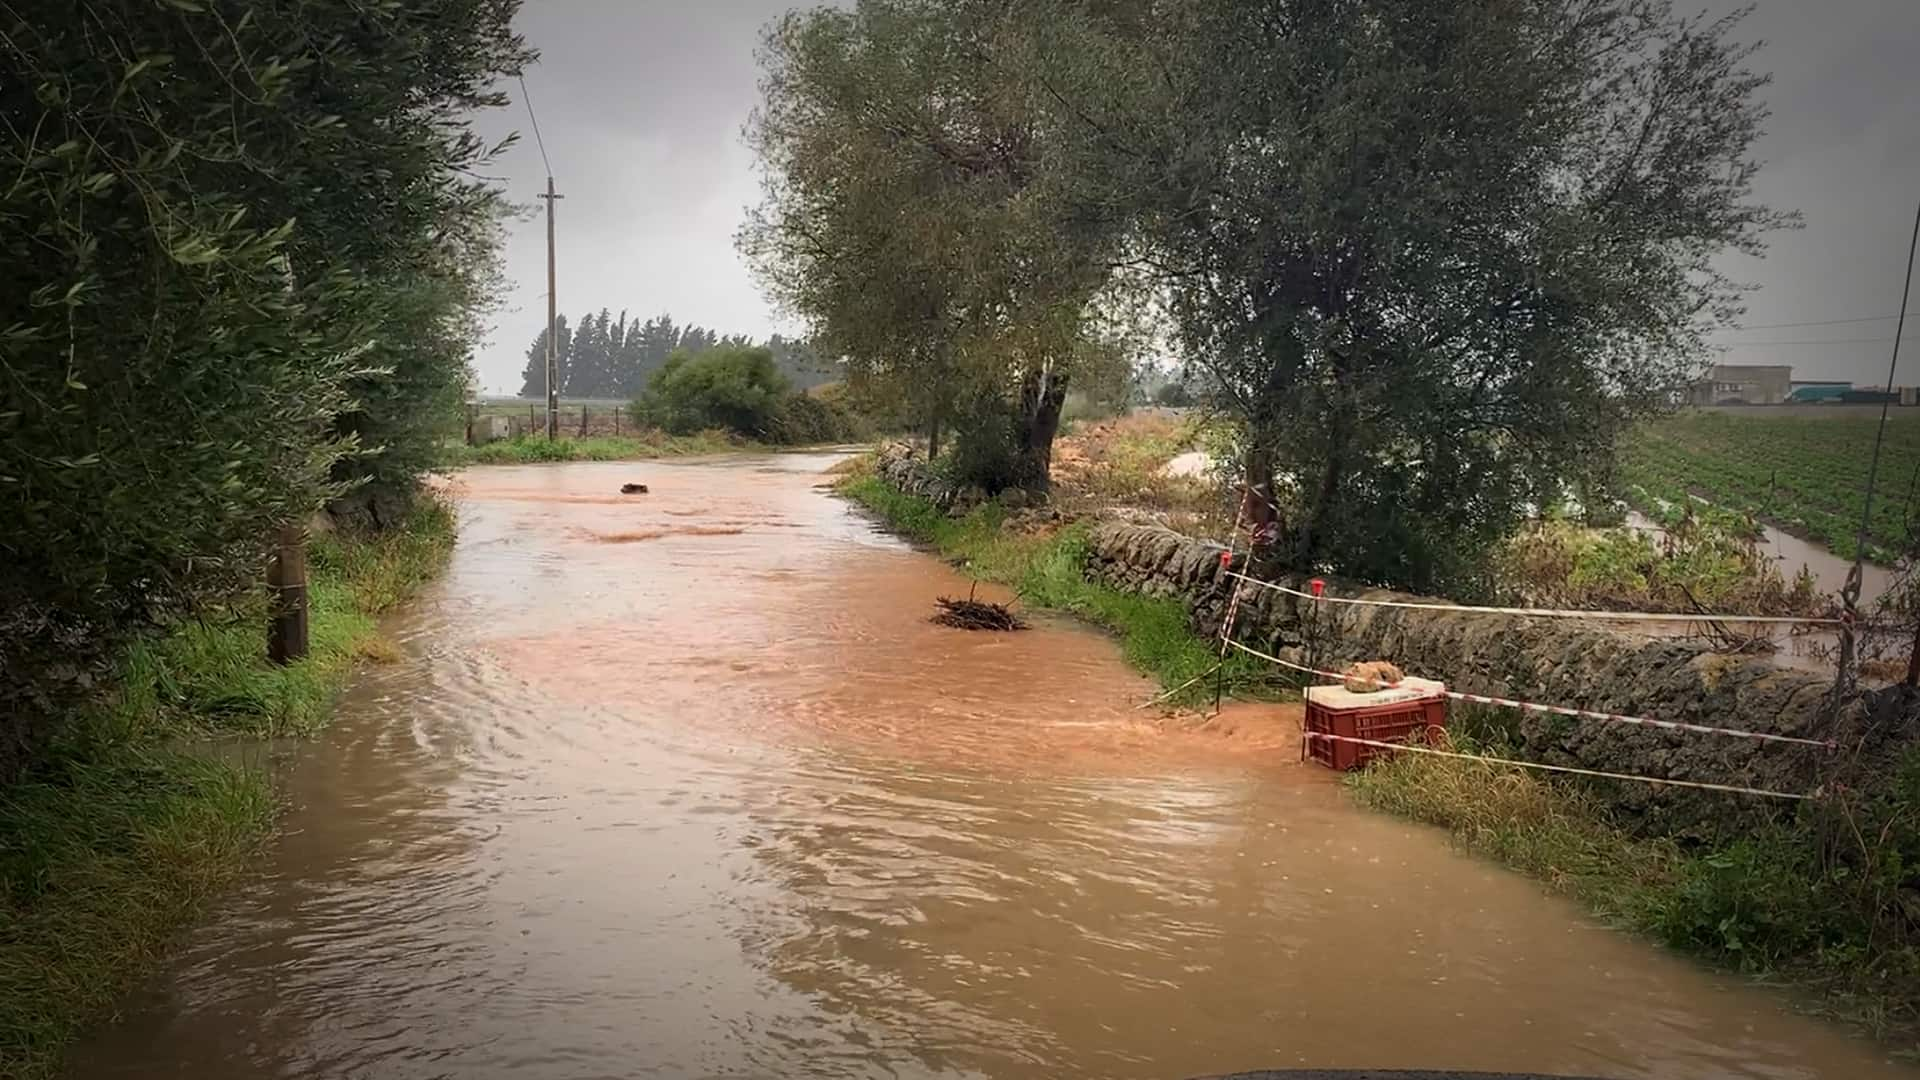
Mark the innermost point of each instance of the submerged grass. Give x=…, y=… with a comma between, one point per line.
x=119, y=834
x=1788, y=904
x=531, y=449
x=1047, y=572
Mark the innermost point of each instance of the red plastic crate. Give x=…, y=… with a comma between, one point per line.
x=1393, y=722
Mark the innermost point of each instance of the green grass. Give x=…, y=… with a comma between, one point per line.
x=1047, y=573
x=1808, y=474
x=531, y=449
x=119, y=834
x=1819, y=902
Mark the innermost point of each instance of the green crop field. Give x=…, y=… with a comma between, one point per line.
x=1805, y=474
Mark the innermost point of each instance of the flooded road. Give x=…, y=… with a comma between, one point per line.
x=686, y=785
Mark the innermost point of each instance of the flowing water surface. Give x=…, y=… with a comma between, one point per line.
x=686, y=785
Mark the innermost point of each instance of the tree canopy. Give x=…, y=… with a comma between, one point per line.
x=1432, y=256
x=1436, y=255
x=915, y=216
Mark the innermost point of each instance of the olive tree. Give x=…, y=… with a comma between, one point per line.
x=1435, y=254
x=916, y=216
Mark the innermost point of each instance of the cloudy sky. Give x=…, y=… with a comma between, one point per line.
x=641, y=103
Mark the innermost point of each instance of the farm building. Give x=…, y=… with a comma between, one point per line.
x=1813, y=392
x=1743, y=384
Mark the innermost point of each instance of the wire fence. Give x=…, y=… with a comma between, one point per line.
x=490, y=422
x=1318, y=598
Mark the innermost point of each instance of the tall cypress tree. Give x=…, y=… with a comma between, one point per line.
x=588, y=373
x=658, y=339
x=533, y=377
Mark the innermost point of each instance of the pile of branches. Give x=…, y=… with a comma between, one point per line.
x=971, y=614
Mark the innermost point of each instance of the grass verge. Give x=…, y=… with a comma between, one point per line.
x=1047, y=572
x=530, y=449
x=118, y=836
x=1823, y=904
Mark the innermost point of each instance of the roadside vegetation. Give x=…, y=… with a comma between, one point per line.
x=130, y=821
x=1822, y=901
x=1806, y=475
x=1705, y=560
x=246, y=257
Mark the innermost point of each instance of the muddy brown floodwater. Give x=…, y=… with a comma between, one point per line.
x=686, y=785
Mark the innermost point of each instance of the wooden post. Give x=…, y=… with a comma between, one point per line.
x=470, y=411
x=584, y=411
x=616, y=420
x=1913, y=658
x=287, y=577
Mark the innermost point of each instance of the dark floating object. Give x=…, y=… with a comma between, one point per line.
x=971, y=614
x=633, y=489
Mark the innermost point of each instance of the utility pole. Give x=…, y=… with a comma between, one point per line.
x=553, y=391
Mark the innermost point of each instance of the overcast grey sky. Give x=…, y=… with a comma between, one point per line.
x=642, y=103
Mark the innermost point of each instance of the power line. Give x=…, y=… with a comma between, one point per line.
x=537, y=140
x=1815, y=322
x=1811, y=341
x=553, y=386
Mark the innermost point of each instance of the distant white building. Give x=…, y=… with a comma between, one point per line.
x=1743, y=384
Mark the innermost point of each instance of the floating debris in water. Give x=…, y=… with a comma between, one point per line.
x=971, y=614
x=633, y=489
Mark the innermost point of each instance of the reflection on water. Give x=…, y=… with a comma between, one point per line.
x=723, y=802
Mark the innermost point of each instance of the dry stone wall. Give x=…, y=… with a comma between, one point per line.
x=1554, y=661
x=901, y=466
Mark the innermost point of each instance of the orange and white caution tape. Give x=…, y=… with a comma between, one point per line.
x=1561, y=710
x=1734, y=789
x=1541, y=613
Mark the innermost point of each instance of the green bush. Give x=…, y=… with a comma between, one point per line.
x=733, y=387
x=805, y=419
x=1707, y=558
x=981, y=453
x=239, y=263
